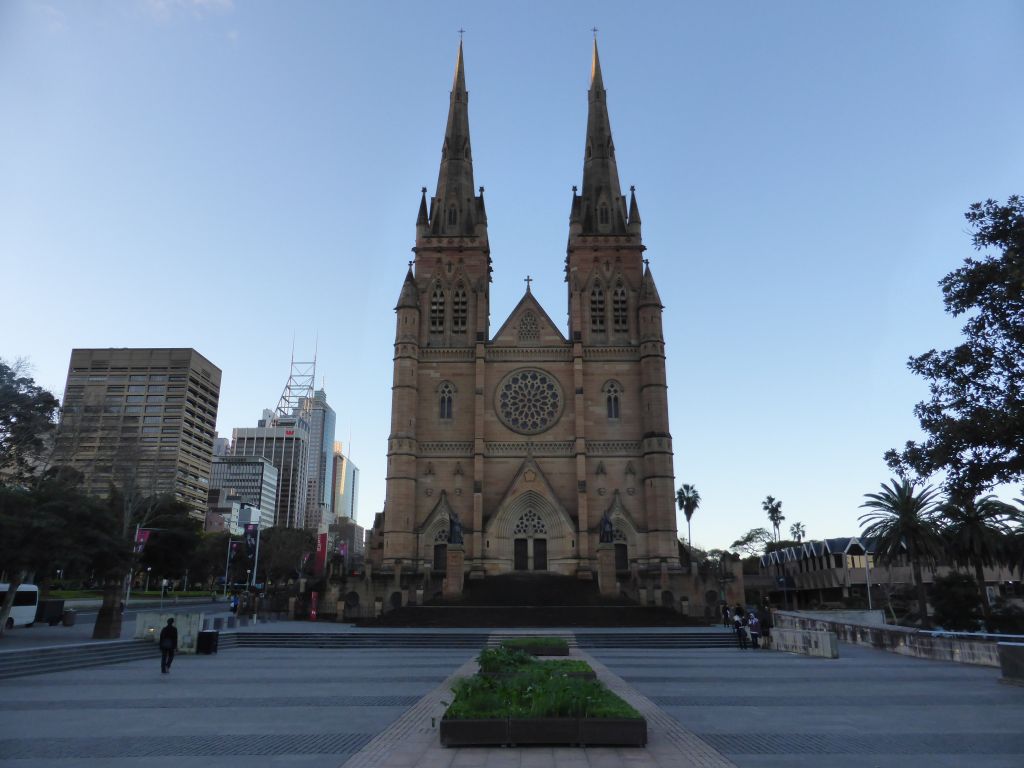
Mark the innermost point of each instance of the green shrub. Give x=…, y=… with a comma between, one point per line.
x=956, y=603
x=539, y=690
x=503, y=660
x=533, y=643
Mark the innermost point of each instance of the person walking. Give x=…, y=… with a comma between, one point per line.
x=168, y=645
x=741, y=631
x=726, y=616
x=755, y=630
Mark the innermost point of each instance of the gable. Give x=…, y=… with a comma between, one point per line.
x=528, y=326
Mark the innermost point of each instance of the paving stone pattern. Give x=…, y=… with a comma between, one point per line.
x=310, y=708
x=868, y=708
x=321, y=708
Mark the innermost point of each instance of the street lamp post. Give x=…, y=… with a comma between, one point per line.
x=148, y=569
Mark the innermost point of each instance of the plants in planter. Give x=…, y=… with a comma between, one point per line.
x=540, y=704
x=502, y=662
x=538, y=646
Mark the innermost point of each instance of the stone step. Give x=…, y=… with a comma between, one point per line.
x=60, y=658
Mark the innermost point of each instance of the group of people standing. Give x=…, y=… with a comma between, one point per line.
x=750, y=627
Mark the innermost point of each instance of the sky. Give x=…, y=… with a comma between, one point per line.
x=235, y=176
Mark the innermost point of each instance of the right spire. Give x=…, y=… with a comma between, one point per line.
x=601, y=207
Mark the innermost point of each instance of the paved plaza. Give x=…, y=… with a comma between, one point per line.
x=377, y=708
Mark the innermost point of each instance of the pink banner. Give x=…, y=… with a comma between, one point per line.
x=314, y=604
x=141, y=537
x=321, y=555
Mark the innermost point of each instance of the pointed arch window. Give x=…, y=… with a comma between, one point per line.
x=597, y=308
x=620, y=308
x=612, y=391
x=602, y=214
x=437, y=310
x=453, y=216
x=446, y=398
x=459, y=309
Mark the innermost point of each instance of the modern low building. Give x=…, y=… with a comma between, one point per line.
x=142, y=418
x=842, y=571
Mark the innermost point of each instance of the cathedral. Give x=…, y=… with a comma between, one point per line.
x=528, y=448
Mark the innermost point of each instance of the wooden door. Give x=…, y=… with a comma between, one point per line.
x=540, y=554
x=522, y=559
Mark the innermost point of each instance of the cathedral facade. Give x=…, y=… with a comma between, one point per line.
x=527, y=448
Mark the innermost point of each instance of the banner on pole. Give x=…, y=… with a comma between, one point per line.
x=321, y=554
x=233, y=550
x=141, y=537
x=251, y=535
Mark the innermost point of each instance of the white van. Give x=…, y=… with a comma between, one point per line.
x=23, y=612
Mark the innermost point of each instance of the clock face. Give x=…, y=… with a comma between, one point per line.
x=529, y=401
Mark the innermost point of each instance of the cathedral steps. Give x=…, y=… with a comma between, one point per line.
x=504, y=616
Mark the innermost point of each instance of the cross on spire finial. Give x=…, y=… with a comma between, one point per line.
x=595, y=30
x=411, y=263
x=528, y=280
x=647, y=263
x=461, y=31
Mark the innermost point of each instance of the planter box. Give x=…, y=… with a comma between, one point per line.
x=560, y=731
x=608, y=732
x=464, y=733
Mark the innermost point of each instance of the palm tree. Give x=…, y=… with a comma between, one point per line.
x=797, y=531
x=977, y=534
x=773, y=508
x=901, y=518
x=688, y=499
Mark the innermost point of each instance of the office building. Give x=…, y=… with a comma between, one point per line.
x=284, y=441
x=253, y=479
x=142, y=419
x=320, y=472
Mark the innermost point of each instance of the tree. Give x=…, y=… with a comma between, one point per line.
x=688, y=499
x=285, y=552
x=753, y=542
x=27, y=418
x=902, y=518
x=955, y=597
x=974, y=419
x=173, y=540
x=773, y=508
x=53, y=521
x=976, y=534
x=797, y=531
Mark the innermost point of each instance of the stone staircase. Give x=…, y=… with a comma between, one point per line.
x=63, y=657
x=21, y=663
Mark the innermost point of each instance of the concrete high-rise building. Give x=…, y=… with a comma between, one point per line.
x=142, y=418
x=284, y=441
x=253, y=479
x=320, y=473
x=346, y=485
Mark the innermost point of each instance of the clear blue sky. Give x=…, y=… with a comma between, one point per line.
x=802, y=169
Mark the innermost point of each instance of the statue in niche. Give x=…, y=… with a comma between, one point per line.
x=607, y=534
x=454, y=529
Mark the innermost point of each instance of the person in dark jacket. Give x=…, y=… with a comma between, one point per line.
x=168, y=645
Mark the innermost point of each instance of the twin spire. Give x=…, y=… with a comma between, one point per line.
x=455, y=209
x=601, y=209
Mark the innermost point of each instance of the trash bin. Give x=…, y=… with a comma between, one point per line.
x=206, y=641
x=69, y=617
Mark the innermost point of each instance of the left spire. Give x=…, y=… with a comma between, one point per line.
x=453, y=209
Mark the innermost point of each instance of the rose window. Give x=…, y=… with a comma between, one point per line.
x=529, y=401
